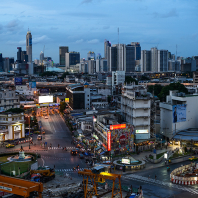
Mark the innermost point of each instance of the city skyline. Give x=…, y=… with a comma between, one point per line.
x=83, y=25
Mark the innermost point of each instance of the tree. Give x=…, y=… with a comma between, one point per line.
x=64, y=75
x=62, y=106
x=144, y=78
x=157, y=89
x=48, y=73
x=15, y=110
x=129, y=79
x=172, y=86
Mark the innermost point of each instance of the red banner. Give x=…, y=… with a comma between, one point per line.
x=109, y=141
x=117, y=126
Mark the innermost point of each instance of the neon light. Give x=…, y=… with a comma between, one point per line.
x=118, y=126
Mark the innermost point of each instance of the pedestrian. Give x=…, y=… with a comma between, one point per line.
x=131, y=189
x=140, y=192
x=155, y=177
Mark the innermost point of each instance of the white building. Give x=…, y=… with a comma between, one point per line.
x=118, y=77
x=136, y=109
x=11, y=126
x=25, y=90
x=8, y=100
x=167, y=125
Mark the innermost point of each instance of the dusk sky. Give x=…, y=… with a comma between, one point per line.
x=83, y=25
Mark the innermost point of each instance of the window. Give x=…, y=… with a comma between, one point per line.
x=87, y=99
x=87, y=95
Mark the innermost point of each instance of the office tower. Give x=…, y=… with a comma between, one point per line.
x=112, y=58
x=91, y=66
x=154, y=59
x=106, y=45
x=72, y=58
x=7, y=63
x=19, y=55
x=29, y=46
x=90, y=55
x=162, y=60
x=145, y=60
x=120, y=57
x=129, y=58
x=98, y=68
x=1, y=62
x=62, y=51
x=137, y=50
x=99, y=56
x=41, y=57
x=24, y=57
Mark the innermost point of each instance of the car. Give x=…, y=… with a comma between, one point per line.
x=81, y=156
x=74, y=152
x=46, y=117
x=10, y=145
x=193, y=158
x=39, y=137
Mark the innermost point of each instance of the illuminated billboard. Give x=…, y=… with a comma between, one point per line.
x=109, y=141
x=142, y=131
x=179, y=113
x=45, y=99
x=117, y=126
x=32, y=84
x=126, y=161
x=66, y=99
x=18, y=81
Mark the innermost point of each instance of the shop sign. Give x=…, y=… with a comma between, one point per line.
x=117, y=126
x=109, y=141
x=66, y=99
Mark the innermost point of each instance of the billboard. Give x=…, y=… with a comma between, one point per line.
x=32, y=85
x=45, y=99
x=117, y=126
x=66, y=99
x=18, y=81
x=179, y=113
x=44, y=91
x=126, y=161
x=142, y=131
x=109, y=141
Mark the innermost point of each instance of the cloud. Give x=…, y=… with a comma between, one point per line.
x=79, y=41
x=171, y=13
x=93, y=41
x=86, y=1
x=85, y=14
x=54, y=28
x=106, y=27
x=39, y=39
x=14, y=25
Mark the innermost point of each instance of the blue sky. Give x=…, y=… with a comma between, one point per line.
x=83, y=25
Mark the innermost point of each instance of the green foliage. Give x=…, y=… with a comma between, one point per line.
x=62, y=106
x=157, y=89
x=144, y=78
x=48, y=73
x=129, y=79
x=64, y=75
x=15, y=110
x=172, y=86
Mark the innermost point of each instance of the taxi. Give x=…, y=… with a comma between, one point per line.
x=193, y=158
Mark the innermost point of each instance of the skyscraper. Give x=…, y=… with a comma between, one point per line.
x=137, y=50
x=62, y=51
x=19, y=55
x=29, y=46
x=90, y=55
x=145, y=60
x=106, y=45
x=41, y=57
x=162, y=60
x=154, y=59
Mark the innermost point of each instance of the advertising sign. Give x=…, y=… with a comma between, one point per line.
x=17, y=128
x=44, y=91
x=18, y=81
x=45, y=99
x=125, y=161
x=66, y=99
x=142, y=131
x=32, y=85
x=117, y=126
x=109, y=141
x=179, y=113
x=122, y=139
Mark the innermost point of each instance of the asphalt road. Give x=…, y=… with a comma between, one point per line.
x=56, y=132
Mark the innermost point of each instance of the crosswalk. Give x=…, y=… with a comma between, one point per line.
x=54, y=148
x=162, y=183
x=70, y=170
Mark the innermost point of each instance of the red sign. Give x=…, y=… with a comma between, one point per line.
x=109, y=141
x=117, y=126
x=122, y=139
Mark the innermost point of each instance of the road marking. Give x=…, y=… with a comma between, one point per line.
x=158, y=182
x=71, y=170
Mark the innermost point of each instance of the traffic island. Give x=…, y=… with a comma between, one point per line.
x=129, y=164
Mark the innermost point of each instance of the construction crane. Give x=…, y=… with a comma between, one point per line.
x=99, y=178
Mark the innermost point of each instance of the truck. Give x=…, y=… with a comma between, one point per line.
x=43, y=174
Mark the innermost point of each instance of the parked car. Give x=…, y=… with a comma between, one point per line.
x=193, y=158
x=74, y=152
x=10, y=145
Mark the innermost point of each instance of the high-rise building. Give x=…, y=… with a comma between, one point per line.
x=129, y=58
x=29, y=46
x=62, y=51
x=137, y=50
x=19, y=55
x=90, y=55
x=106, y=45
x=41, y=57
x=162, y=60
x=72, y=58
x=112, y=58
x=1, y=62
x=24, y=57
x=145, y=60
x=154, y=59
